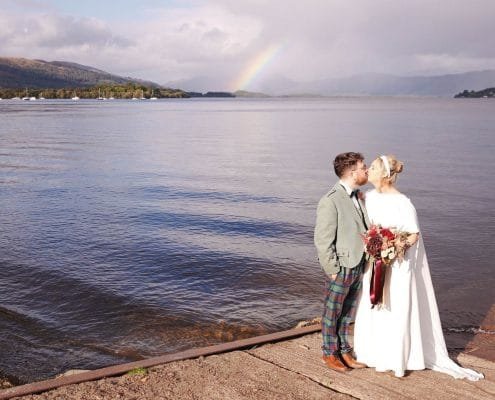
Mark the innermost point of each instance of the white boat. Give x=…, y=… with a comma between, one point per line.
x=15, y=98
x=26, y=97
x=134, y=98
x=32, y=98
x=40, y=97
x=142, y=95
x=99, y=96
x=153, y=97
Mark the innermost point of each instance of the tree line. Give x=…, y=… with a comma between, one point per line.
x=489, y=92
x=127, y=91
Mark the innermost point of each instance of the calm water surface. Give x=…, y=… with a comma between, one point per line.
x=132, y=229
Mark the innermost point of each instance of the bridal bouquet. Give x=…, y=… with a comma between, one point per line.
x=380, y=244
x=383, y=245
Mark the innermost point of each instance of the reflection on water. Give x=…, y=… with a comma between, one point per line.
x=135, y=229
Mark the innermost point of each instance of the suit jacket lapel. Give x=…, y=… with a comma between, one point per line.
x=350, y=204
x=365, y=213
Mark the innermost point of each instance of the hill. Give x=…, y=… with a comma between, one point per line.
x=391, y=85
x=372, y=84
x=22, y=72
x=245, y=93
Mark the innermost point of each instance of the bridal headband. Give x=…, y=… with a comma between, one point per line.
x=387, y=165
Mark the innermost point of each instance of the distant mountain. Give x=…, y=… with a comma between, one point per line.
x=200, y=84
x=273, y=84
x=358, y=85
x=244, y=93
x=18, y=73
x=22, y=72
x=390, y=85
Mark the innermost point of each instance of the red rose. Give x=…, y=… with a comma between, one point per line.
x=387, y=233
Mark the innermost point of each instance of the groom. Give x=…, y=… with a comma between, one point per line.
x=340, y=220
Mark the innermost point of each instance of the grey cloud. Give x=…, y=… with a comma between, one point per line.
x=215, y=35
x=77, y=32
x=54, y=31
x=420, y=27
x=380, y=34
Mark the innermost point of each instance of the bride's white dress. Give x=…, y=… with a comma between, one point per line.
x=404, y=333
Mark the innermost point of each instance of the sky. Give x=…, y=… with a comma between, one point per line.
x=242, y=44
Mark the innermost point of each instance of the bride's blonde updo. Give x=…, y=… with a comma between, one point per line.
x=395, y=165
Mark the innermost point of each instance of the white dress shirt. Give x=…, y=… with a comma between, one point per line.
x=349, y=190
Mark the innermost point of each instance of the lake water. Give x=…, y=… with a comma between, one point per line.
x=133, y=229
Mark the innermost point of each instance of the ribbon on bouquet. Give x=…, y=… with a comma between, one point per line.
x=377, y=282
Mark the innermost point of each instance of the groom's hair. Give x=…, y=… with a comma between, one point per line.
x=345, y=161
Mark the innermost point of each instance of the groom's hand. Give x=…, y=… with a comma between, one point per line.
x=332, y=277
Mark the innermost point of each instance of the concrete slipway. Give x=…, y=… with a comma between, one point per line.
x=286, y=365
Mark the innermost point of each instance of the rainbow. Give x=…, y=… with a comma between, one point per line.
x=254, y=67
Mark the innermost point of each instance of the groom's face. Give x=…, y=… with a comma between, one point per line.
x=360, y=173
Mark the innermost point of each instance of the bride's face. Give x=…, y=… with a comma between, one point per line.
x=375, y=173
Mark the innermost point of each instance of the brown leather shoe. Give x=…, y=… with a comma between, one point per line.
x=351, y=362
x=334, y=362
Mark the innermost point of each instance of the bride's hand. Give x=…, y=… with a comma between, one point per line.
x=401, y=243
x=412, y=239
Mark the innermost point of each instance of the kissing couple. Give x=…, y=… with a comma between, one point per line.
x=404, y=331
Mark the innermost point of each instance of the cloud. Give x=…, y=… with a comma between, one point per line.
x=347, y=37
x=46, y=34
x=219, y=39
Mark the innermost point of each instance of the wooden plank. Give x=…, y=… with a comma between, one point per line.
x=303, y=355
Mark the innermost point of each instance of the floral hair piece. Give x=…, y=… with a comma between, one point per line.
x=387, y=165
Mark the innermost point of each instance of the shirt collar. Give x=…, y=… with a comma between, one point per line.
x=347, y=188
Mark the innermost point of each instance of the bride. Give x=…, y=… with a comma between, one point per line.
x=404, y=332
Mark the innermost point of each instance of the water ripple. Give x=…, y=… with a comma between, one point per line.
x=222, y=225
x=161, y=192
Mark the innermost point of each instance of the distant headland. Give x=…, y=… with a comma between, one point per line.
x=34, y=79
x=473, y=94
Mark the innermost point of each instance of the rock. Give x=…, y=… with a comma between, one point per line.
x=314, y=321
x=72, y=372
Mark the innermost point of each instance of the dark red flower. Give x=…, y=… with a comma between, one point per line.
x=374, y=246
x=387, y=233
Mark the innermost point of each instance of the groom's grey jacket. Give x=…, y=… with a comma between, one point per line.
x=338, y=231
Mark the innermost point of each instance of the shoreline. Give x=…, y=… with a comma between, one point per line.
x=480, y=344
x=70, y=378
x=286, y=368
